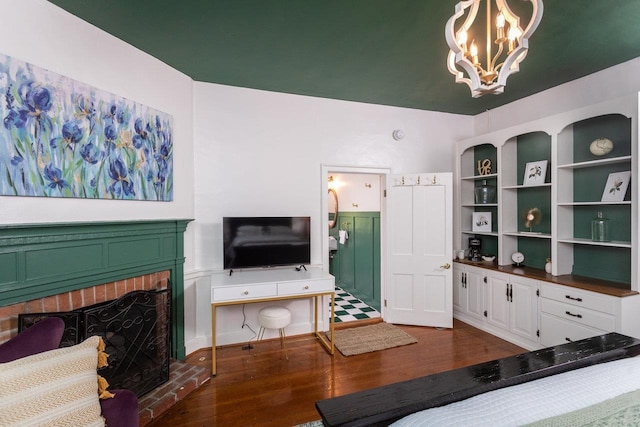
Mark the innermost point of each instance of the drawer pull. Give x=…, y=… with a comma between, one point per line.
x=567, y=339
x=573, y=298
x=306, y=287
x=579, y=316
x=245, y=293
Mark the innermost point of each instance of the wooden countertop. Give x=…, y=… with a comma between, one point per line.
x=615, y=289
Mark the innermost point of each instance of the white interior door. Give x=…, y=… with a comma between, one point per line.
x=419, y=285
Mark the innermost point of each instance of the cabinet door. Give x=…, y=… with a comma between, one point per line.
x=459, y=290
x=498, y=299
x=524, y=307
x=475, y=293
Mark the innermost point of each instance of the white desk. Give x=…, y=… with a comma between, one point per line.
x=244, y=287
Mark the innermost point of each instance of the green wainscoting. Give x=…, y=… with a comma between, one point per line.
x=41, y=260
x=356, y=264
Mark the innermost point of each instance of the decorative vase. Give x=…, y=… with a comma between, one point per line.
x=485, y=193
x=600, y=229
x=547, y=266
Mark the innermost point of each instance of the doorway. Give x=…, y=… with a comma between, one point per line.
x=353, y=248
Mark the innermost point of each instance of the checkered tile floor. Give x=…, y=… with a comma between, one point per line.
x=350, y=308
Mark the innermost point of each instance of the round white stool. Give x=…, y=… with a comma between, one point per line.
x=275, y=318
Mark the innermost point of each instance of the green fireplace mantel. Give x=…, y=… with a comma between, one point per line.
x=39, y=260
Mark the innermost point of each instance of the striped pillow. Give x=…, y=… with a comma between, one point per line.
x=54, y=388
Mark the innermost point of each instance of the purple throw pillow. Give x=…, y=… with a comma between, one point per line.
x=43, y=336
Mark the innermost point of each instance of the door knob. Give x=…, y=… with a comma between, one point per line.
x=446, y=266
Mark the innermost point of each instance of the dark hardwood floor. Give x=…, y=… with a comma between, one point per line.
x=268, y=390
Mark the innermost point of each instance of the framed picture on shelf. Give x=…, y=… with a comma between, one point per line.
x=616, y=186
x=481, y=222
x=535, y=172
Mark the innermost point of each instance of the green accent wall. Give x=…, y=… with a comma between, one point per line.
x=48, y=259
x=356, y=264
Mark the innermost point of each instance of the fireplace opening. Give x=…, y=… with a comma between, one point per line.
x=136, y=330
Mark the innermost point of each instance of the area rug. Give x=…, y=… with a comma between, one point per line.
x=366, y=339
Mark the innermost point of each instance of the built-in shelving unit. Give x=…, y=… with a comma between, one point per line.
x=568, y=198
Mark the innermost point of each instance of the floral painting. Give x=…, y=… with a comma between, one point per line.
x=63, y=138
x=616, y=187
x=535, y=173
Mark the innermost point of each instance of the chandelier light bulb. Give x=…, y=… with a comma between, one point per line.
x=500, y=26
x=462, y=39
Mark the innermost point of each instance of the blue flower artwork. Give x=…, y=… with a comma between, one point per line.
x=62, y=138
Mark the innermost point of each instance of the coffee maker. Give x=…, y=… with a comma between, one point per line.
x=475, y=253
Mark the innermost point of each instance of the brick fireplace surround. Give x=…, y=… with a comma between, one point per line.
x=79, y=298
x=183, y=378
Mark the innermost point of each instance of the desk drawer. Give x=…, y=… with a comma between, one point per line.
x=305, y=287
x=247, y=292
x=583, y=316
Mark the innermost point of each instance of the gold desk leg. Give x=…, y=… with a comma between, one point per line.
x=329, y=346
x=213, y=340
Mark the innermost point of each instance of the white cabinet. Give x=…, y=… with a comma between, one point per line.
x=523, y=301
x=498, y=300
x=568, y=314
x=468, y=291
x=459, y=290
x=512, y=304
x=535, y=312
x=566, y=198
x=503, y=304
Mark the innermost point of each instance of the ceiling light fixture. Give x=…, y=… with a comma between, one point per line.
x=512, y=43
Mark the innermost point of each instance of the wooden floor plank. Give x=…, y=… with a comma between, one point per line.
x=261, y=388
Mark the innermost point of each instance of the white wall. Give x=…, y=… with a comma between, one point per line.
x=261, y=153
x=42, y=34
x=358, y=192
x=611, y=83
x=255, y=152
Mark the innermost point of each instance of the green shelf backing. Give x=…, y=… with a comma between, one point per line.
x=602, y=262
x=535, y=250
x=482, y=152
x=589, y=183
x=619, y=217
x=533, y=147
x=535, y=197
x=615, y=127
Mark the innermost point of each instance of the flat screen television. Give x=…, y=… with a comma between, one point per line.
x=251, y=242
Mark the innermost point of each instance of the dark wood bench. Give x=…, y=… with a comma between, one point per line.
x=383, y=405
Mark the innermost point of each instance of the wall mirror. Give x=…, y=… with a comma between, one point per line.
x=333, y=207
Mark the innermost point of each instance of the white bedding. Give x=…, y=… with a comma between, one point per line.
x=535, y=400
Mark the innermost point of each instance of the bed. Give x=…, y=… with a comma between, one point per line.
x=571, y=384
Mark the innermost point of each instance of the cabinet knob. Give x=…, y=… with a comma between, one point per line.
x=306, y=287
x=245, y=293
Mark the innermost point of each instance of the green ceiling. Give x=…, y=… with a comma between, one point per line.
x=389, y=52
